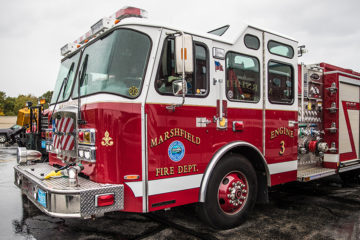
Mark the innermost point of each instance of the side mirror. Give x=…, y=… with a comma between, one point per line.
x=177, y=87
x=184, y=53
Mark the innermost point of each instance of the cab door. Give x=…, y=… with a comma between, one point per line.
x=178, y=138
x=281, y=108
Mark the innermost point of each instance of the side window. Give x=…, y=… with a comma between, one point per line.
x=242, y=77
x=280, y=83
x=281, y=49
x=251, y=42
x=197, y=82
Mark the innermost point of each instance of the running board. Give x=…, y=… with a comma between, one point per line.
x=313, y=173
x=344, y=167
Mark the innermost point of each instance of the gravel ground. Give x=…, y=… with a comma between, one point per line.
x=323, y=209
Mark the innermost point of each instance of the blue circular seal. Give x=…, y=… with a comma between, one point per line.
x=176, y=151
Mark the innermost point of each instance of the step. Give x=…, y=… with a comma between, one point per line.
x=313, y=173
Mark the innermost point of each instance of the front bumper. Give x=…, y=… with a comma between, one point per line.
x=62, y=200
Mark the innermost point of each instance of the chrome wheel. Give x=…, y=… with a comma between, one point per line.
x=2, y=138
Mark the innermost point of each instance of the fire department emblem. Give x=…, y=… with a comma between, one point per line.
x=107, y=140
x=176, y=151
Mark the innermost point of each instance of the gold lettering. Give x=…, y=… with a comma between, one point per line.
x=166, y=136
x=193, y=139
x=153, y=142
x=166, y=171
x=161, y=140
x=158, y=170
x=276, y=132
x=180, y=169
x=174, y=132
x=177, y=132
x=182, y=132
x=188, y=137
x=171, y=170
x=186, y=169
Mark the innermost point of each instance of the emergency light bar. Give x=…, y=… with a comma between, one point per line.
x=126, y=12
x=84, y=38
x=104, y=24
x=67, y=48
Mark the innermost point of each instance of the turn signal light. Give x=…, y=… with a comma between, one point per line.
x=131, y=177
x=104, y=200
x=87, y=136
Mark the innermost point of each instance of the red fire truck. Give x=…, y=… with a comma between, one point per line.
x=168, y=117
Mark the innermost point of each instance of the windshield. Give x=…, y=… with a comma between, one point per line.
x=115, y=64
x=65, y=70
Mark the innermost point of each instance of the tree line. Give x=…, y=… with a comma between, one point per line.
x=9, y=106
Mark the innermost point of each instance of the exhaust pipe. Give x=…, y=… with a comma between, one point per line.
x=25, y=156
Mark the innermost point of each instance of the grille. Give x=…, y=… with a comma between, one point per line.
x=44, y=122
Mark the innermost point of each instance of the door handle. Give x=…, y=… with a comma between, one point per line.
x=292, y=123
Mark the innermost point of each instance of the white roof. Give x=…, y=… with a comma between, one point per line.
x=232, y=34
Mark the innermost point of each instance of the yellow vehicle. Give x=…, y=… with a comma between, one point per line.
x=23, y=117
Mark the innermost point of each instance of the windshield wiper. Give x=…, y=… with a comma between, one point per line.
x=82, y=75
x=66, y=80
x=64, y=83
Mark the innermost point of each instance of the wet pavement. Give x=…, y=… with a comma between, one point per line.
x=323, y=209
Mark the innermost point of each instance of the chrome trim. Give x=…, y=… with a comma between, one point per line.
x=92, y=136
x=346, y=74
x=218, y=155
x=62, y=200
x=92, y=150
x=264, y=85
x=144, y=136
x=349, y=168
x=143, y=156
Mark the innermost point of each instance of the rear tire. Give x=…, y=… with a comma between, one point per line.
x=230, y=194
x=3, y=138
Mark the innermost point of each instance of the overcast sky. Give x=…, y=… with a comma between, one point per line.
x=32, y=32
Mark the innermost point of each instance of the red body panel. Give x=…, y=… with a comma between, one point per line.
x=281, y=142
x=161, y=120
x=123, y=122
x=280, y=178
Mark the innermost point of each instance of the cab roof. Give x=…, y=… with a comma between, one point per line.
x=235, y=30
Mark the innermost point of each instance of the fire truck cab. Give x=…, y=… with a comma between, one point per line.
x=168, y=117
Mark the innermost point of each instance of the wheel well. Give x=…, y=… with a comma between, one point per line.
x=257, y=161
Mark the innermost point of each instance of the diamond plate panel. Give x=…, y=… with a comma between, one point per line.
x=87, y=201
x=87, y=189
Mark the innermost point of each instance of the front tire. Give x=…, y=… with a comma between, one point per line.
x=3, y=138
x=230, y=194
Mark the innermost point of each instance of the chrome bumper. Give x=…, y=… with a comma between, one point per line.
x=62, y=200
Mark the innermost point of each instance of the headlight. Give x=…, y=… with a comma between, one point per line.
x=81, y=153
x=87, y=154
